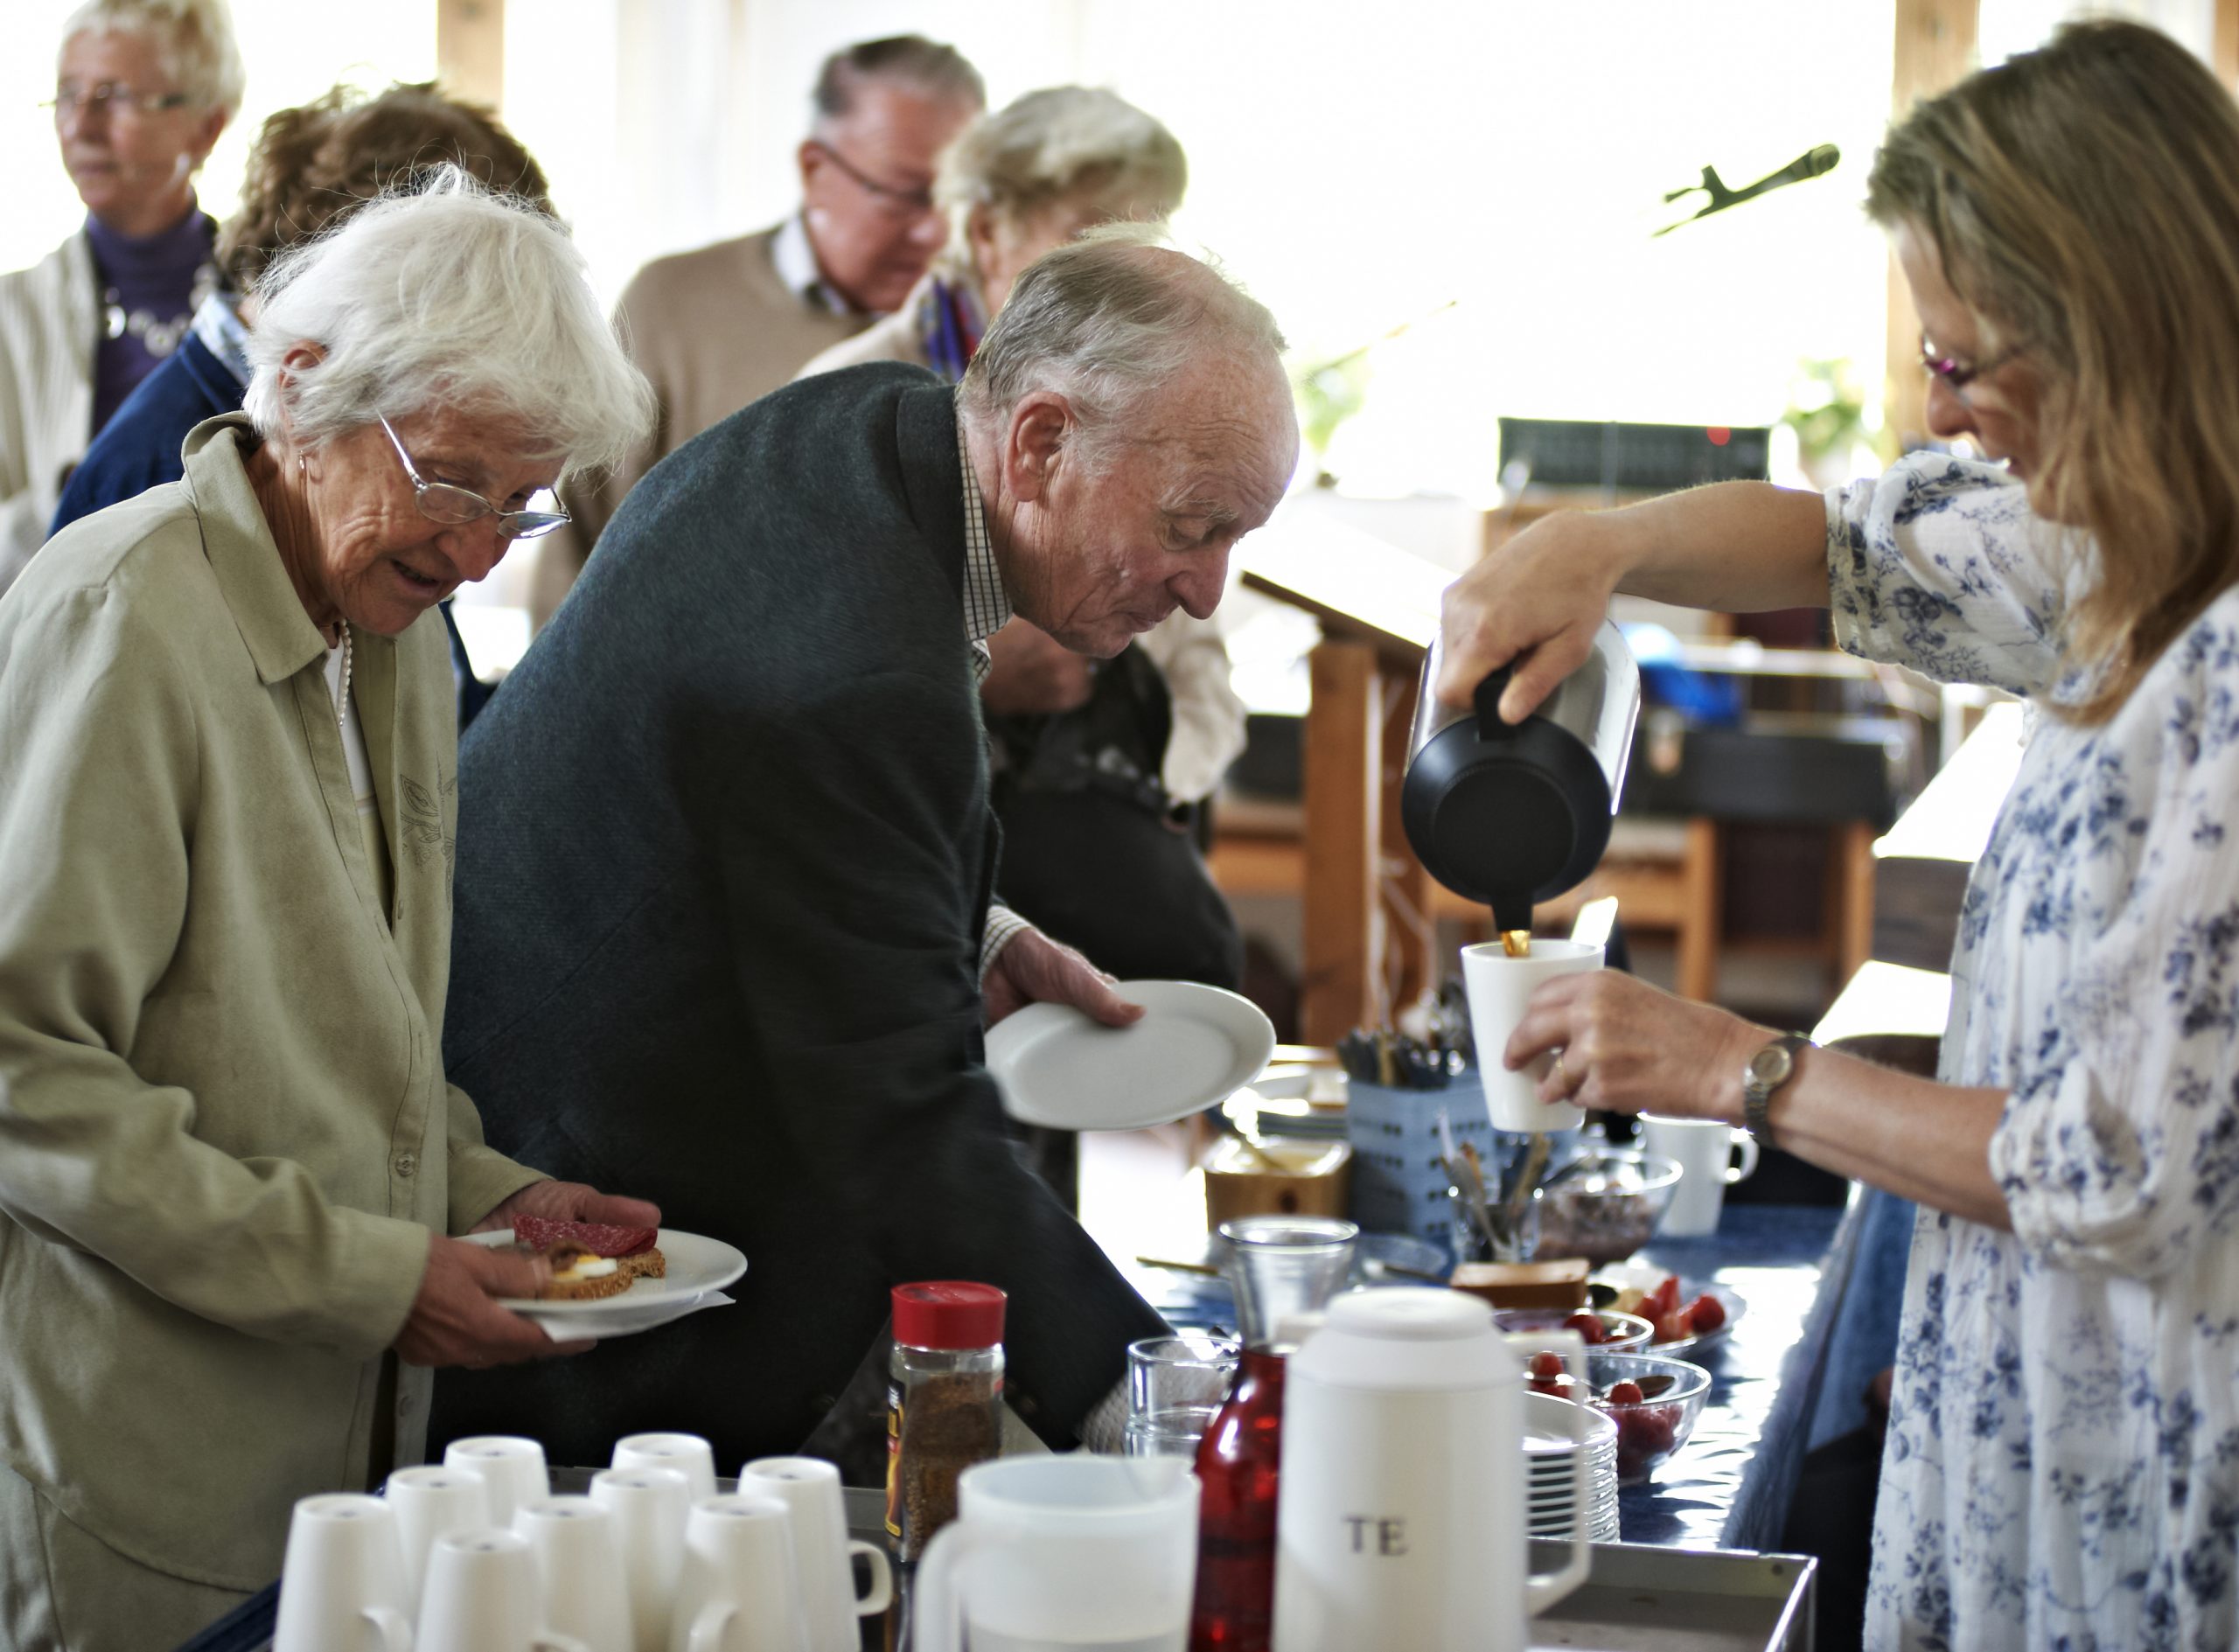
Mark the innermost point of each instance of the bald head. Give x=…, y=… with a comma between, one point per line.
x=1105, y=321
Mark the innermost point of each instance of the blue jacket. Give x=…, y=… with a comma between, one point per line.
x=139, y=449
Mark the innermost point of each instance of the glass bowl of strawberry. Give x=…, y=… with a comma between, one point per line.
x=1653, y=1400
x=1604, y=1332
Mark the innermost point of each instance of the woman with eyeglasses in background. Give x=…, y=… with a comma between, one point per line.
x=230, y=1163
x=2063, y=1458
x=142, y=90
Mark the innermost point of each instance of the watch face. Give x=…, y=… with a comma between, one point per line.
x=1771, y=1064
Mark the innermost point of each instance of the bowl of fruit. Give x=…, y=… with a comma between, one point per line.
x=1605, y=1333
x=1653, y=1400
x=1604, y=1205
x=1685, y=1317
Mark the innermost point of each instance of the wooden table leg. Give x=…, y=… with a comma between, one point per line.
x=1344, y=732
x=1700, y=903
x=1850, y=909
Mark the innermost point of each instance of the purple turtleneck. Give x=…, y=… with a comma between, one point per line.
x=146, y=300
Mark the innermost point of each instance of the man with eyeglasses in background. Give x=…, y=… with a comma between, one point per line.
x=720, y=326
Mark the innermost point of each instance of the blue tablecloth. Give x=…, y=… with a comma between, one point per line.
x=1729, y=1488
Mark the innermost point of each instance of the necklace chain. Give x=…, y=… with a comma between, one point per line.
x=342, y=710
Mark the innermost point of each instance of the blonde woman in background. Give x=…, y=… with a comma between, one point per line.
x=1097, y=763
x=143, y=89
x=2062, y=1461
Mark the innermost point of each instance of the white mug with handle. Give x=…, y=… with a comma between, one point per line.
x=822, y=1550
x=1703, y=1150
x=738, y=1590
x=481, y=1597
x=342, y=1581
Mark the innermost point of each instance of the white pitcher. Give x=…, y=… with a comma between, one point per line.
x=1399, y=1521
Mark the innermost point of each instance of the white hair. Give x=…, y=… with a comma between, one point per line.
x=1062, y=143
x=193, y=41
x=445, y=292
x=1105, y=321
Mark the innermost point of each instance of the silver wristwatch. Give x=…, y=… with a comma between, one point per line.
x=1767, y=1071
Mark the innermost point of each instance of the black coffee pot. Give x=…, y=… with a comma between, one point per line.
x=1513, y=813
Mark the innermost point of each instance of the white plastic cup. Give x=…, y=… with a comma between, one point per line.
x=342, y=1582
x=1063, y=1551
x=823, y=1553
x=581, y=1588
x=738, y=1590
x=688, y=1455
x=512, y=1468
x=649, y=1506
x=1500, y=988
x=432, y=1501
x=481, y=1597
x=1703, y=1150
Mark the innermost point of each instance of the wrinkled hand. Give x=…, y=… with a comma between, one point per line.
x=1032, y=969
x=453, y=1320
x=1034, y=672
x=571, y=1202
x=1538, y=600
x=1628, y=1047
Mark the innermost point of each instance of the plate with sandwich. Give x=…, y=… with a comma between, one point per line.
x=610, y=1281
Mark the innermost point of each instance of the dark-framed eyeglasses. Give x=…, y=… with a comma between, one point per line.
x=455, y=506
x=895, y=202
x=112, y=97
x=1954, y=374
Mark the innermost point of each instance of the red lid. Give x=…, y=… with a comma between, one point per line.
x=948, y=1313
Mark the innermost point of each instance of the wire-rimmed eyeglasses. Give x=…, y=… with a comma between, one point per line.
x=895, y=202
x=112, y=97
x=455, y=506
x=1955, y=375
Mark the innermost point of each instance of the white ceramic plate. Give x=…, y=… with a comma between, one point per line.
x=697, y=1267
x=1196, y=1046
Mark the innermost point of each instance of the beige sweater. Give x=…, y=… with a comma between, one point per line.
x=225, y=1131
x=48, y=317
x=713, y=330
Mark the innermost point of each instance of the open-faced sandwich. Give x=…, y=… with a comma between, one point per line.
x=590, y=1259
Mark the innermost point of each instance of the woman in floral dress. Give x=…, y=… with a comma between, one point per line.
x=2063, y=1466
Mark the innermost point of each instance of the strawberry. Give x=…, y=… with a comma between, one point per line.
x=1588, y=1327
x=1705, y=1313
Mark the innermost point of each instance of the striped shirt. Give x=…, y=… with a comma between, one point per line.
x=986, y=610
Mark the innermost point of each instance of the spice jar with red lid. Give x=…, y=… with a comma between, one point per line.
x=944, y=1401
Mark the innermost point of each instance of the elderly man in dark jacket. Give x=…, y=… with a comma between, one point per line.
x=725, y=864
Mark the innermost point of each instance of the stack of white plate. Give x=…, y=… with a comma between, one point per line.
x=1555, y=1433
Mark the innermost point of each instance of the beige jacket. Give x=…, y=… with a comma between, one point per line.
x=49, y=317
x=712, y=330
x=224, y=1128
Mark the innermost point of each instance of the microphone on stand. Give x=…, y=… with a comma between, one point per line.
x=1813, y=163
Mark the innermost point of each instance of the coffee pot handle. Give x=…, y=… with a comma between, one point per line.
x=936, y=1601
x=1490, y=726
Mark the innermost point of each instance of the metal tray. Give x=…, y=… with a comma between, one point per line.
x=1640, y=1597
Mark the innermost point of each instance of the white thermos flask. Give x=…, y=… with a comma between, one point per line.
x=1401, y=1517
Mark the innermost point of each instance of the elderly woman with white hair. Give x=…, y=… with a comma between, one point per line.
x=1097, y=763
x=229, y=1158
x=142, y=90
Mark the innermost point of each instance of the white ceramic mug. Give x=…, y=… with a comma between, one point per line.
x=688, y=1455
x=431, y=1502
x=1703, y=1150
x=1500, y=988
x=512, y=1468
x=581, y=1588
x=481, y=1597
x=823, y=1553
x=738, y=1590
x=343, y=1576
x=1053, y=1552
x=649, y=1506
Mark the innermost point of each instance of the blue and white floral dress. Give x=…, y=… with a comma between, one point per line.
x=2063, y=1466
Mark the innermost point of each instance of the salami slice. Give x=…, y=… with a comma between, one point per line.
x=600, y=1238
